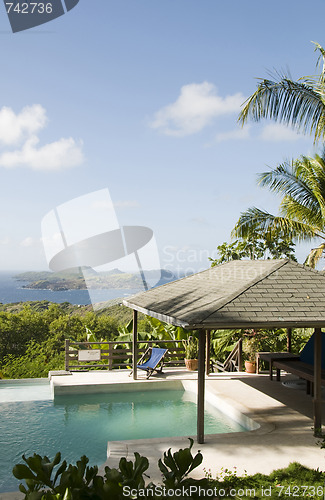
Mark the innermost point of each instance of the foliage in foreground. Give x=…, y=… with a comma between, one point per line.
x=46, y=480
x=77, y=482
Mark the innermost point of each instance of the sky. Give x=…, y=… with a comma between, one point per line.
x=141, y=97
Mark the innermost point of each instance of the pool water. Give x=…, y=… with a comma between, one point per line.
x=83, y=424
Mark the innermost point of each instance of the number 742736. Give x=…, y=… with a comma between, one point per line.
x=29, y=8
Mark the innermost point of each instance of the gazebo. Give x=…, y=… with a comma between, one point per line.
x=239, y=294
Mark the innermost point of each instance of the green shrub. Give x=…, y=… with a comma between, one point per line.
x=47, y=480
x=35, y=363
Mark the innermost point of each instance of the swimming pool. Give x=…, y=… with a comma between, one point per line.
x=83, y=424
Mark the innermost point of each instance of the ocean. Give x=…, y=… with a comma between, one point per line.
x=11, y=290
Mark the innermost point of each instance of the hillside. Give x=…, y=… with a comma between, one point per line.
x=73, y=279
x=121, y=313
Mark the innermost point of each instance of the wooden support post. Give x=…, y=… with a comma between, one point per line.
x=135, y=344
x=317, y=401
x=200, y=388
x=289, y=332
x=240, y=355
x=207, y=352
x=66, y=357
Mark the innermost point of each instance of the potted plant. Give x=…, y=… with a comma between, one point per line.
x=250, y=348
x=191, y=347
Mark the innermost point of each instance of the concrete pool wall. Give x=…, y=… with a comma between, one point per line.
x=70, y=384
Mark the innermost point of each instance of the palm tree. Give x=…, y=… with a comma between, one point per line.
x=300, y=104
x=302, y=209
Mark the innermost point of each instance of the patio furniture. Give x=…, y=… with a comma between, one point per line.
x=302, y=366
x=270, y=357
x=156, y=358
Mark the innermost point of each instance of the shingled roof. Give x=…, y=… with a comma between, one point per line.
x=240, y=294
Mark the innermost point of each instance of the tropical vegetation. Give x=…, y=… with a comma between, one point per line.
x=258, y=246
x=301, y=105
x=32, y=339
x=301, y=184
x=297, y=103
x=47, y=479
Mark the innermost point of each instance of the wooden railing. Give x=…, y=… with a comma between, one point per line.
x=234, y=361
x=111, y=355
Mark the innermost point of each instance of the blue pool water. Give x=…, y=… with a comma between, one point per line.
x=83, y=424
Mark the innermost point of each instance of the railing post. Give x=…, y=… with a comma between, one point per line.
x=66, y=358
x=135, y=344
x=110, y=356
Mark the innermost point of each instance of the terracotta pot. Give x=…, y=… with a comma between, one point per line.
x=250, y=367
x=191, y=364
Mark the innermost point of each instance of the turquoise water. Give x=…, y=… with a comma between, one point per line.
x=83, y=424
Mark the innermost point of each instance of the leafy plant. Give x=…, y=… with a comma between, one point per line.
x=177, y=466
x=191, y=347
x=79, y=482
x=257, y=246
x=52, y=480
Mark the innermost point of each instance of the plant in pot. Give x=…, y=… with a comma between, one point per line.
x=250, y=348
x=191, y=347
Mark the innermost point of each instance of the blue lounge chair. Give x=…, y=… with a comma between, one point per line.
x=156, y=358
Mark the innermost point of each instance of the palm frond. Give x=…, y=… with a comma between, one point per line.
x=291, y=209
x=294, y=103
x=314, y=256
x=320, y=61
x=285, y=180
x=255, y=219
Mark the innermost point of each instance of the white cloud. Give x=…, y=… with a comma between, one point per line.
x=196, y=107
x=22, y=129
x=57, y=155
x=237, y=134
x=27, y=242
x=277, y=132
x=14, y=127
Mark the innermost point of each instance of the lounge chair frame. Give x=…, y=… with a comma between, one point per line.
x=151, y=369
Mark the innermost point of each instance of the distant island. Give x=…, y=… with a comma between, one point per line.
x=73, y=279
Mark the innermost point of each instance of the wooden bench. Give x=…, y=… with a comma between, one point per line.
x=270, y=357
x=298, y=368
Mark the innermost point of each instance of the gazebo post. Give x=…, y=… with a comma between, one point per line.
x=200, y=388
x=207, y=352
x=135, y=344
x=289, y=333
x=317, y=382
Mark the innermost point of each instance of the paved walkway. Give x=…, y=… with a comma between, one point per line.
x=284, y=415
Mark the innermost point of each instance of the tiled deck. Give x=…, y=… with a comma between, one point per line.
x=284, y=415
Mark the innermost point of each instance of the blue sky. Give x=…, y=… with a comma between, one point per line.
x=142, y=97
